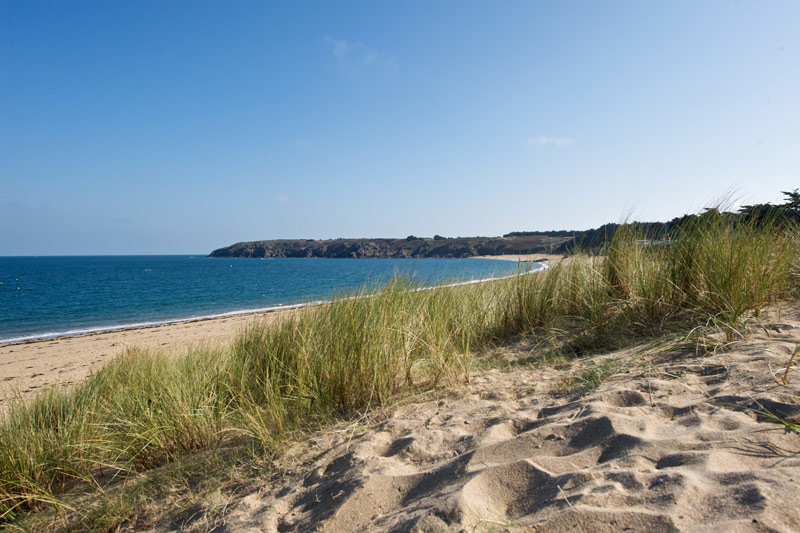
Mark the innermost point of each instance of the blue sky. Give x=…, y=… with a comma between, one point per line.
x=183, y=126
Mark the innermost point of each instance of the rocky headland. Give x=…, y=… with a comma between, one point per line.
x=396, y=248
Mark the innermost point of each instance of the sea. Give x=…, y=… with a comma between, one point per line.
x=46, y=297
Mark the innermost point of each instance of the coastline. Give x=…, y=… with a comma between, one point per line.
x=143, y=325
x=571, y=443
x=37, y=337
x=256, y=307
x=28, y=366
x=547, y=259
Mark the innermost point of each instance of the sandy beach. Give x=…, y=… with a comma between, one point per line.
x=30, y=366
x=274, y=267
x=549, y=259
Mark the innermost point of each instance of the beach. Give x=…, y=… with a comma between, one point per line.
x=31, y=366
x=548, y=259
x=656, y=434
x=399, y=267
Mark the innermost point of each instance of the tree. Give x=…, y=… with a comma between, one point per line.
x=761, y=213
x=792, y=201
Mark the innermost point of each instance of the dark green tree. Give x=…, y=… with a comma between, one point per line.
x=792, y=202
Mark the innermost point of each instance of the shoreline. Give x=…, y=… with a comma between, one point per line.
x=145, y=325
x=30, y=365
x=545, y=259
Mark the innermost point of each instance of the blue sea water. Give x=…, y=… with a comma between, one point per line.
x=42, y=297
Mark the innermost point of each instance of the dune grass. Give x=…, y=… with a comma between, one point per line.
x=280, y=379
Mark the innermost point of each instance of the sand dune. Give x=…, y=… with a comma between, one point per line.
x=672, y=442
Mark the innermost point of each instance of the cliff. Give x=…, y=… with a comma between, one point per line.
x=400, y=248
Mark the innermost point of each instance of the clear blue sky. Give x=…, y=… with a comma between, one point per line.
x=182, y=126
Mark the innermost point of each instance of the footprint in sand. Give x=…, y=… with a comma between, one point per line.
x=625, y=398
x=674, y=460
x=714, y=374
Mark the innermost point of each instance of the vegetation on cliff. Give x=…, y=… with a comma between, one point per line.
x=514, y=243
x=411, y=246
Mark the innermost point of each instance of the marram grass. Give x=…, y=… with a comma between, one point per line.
x=282, y=377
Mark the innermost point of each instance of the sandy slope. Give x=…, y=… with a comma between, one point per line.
x=668, y=443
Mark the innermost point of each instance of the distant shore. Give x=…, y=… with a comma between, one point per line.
x=548, y=259
x=411, y=246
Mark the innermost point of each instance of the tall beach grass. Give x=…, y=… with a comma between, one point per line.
x=291, y=375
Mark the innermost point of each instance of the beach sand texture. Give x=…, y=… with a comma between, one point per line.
x=669, y=443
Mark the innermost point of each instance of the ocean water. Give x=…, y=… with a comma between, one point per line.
x=42, y=297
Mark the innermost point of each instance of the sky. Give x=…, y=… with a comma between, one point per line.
x=157, y=127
